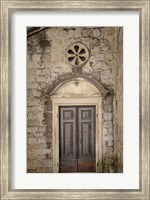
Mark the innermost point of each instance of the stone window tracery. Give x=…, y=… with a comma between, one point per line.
x=77, y=54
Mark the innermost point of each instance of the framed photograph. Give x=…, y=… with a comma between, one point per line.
x=75, y=99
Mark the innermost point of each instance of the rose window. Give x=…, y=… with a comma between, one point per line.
x=77, y=54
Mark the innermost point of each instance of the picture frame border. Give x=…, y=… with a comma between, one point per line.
x=7, y=7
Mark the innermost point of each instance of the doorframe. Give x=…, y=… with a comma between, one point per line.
x=77, y=101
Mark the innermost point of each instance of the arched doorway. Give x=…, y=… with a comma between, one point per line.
x=77, y=95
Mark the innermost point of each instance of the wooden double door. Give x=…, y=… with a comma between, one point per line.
x=77, y=139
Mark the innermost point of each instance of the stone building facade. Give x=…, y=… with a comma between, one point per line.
x=48, y=65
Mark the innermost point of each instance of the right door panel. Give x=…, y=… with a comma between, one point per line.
x=86, y=139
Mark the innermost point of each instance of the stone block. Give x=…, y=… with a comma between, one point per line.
x=104, y=41
x=106, y=66
x=48, y=156
x=110, y=130
x=105, y=131
x=105, y=75
x=45, y=72
x=47, y=117
x=42, y=65
x=41, y=79
x=109, y=161
x=40, y=163
x=30, y=135
x=50, y=33
x=47, y=49
x=110, y=154
x=48, y=138
x=41, y=129
x=39, y=115
x=110, y=137
x=32, y=129
x=55, y=75
x=39, y=49
x=36, y=146
x=55, y=57
x=30, y=79
x=100, y=56
x=36, y=93
x=105, y=47
x=30, y=115
x=38, y=72
x=104, y=148
x=97, y=65
x=108, y=116
x=41, y=140
x=33, y=102
x=36, y=57
x=49, y=144
x=30, y=64
x=63, y=34
x=84, y=33
x=45, y=43
x=86, y=70
x=96, y=33
x=31, y=122
x=109, y=100
x=36, y=64
x=96, y=75
x=90, y=32
x=108, y=124
x=57, y=49
x=105, y=140
x=47, y=162
x=109, y=31
x=43, y=85
x=29, y=46
x=48, y=105
x=92, y=59
x=110, y=149
x=31, y=72
x=71, y=33
x=35, y=108
x=105, y=168
x=95, y=49
x=42, y=151
x=32, y=140
x=111, y=169
x=45, y=57
x=49, y=129
x=32, y=153
x=29, y=93
x=35, y=115
x=77, y=33
x=108, y=107
x=110, y=144
x=109, y=56
x=107, y=82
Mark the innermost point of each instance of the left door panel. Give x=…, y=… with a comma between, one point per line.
x=68, y=140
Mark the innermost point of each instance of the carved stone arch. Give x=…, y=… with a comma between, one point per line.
x=80, y=90
x=71, y=78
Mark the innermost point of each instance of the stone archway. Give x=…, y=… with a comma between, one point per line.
x=77, y=91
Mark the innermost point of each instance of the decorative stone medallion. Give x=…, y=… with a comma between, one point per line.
x=77, y=54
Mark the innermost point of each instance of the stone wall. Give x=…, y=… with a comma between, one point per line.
x=118, y=103
x=47, y=63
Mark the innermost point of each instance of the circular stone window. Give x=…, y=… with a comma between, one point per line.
x=77, y=54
